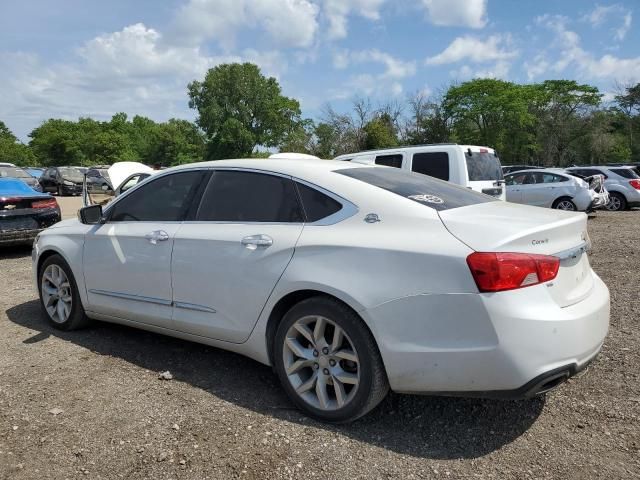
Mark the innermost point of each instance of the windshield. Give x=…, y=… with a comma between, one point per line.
x=70, y=173
x=428, y=191
x=13, y=172
x=625, y=172
x=483, y=166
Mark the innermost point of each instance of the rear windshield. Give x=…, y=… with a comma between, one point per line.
x=625, y=172
x=483, y=166
x=428, y=191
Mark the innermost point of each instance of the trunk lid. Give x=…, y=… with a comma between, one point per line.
x=507, y=227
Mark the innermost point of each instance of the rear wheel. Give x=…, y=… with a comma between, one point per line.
x=59, y=295
x=328, y=362
x=617, y=202
x=565, y=203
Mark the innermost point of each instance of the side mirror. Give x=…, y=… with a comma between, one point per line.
x=91, y=215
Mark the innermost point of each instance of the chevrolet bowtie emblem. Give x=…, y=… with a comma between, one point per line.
x=9, y=207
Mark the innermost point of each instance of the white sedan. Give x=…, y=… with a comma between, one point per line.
x=348, y=279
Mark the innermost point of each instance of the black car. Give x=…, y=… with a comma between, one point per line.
x=62, y=180
x=24, y=212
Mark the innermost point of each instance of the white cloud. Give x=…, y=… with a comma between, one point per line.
x=586, y=64
x=387, y=82
x=394, y=68
x=338, y=11
x=130, y=70
x=496, y=47
x=290, y=23
x=600, y=14
x=462, y=13
x=500, y=69
x=537, y=67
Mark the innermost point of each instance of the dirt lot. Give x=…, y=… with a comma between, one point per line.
x=89, y=404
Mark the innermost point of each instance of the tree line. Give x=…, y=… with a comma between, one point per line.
x=242, y=113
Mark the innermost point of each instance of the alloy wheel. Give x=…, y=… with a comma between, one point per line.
x=56, y=293
x=321, y=363
x=566, y=205
x=614, y=204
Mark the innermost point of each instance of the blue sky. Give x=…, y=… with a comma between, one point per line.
x=73, y=58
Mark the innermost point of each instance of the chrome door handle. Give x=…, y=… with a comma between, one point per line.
x=254, y=241
x=157, y=236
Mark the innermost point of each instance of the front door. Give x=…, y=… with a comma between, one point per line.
x=227, y=262
x=127, y=260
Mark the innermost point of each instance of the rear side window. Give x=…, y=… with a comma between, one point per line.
x=483, y=166
x=434, y=164
x=238, y=196
x=625, y=172
x=390, y=160
x=316, y=204
x=427, y=191
x=165, y=199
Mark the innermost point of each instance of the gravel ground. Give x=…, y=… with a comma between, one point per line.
x=89, y=404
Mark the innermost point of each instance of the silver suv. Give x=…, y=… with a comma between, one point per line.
x=622, y=183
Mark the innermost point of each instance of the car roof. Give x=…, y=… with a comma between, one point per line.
x=295, y=167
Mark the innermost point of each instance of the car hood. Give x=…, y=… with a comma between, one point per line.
x=118, y=172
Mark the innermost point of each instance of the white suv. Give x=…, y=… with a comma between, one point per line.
x=471, y=166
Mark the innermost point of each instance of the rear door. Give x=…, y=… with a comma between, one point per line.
x=513, y=186
x=543, y=189
x=228, y=260
x=127, y=260
x=484, y=171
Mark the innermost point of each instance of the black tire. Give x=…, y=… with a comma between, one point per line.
x=617, y=202
x=373, y=384
x=565, y=201
x=77, y=317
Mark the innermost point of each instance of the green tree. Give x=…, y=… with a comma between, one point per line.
x=12, y=150
x=380, y=133
x=240, y=109
x=55, y=142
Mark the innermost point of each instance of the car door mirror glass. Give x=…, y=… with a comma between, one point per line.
x=91, y=215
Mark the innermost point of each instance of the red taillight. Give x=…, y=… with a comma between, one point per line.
x=635, y=184
x=495, y=272
x=49, y=203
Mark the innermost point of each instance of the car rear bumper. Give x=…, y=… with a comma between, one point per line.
x=71, y=189
x=20, y=228
x=508, y=344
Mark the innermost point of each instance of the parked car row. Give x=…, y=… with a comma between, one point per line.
x=554, y=187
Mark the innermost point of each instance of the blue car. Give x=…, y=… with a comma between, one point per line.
x=24, y=212
x=35, y=172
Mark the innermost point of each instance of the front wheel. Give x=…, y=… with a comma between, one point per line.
x=565, y=204
x=328, y=361
x=59, y=295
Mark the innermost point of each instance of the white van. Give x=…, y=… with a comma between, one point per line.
x=474, y=167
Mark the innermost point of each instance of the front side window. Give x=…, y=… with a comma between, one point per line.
x=434, y=164
x=239, y=196
x=316, y=204
x=165, y=199
x=427, y=191
x=390, y=160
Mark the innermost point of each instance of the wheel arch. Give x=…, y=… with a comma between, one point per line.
x=287, y=301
